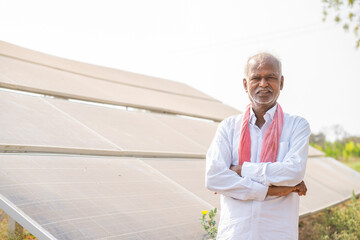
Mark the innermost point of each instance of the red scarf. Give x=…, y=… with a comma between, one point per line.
x=270, y=144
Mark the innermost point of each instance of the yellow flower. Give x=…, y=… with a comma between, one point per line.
x=204, y=212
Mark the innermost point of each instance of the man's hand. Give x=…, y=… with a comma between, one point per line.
x=236, y=168
x=301, y=189
x=283, y=191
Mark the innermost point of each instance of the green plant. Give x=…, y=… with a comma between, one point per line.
x=346, y=150
x=208, y=222
x=340, y=223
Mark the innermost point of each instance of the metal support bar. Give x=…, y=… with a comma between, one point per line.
x=11, y=228
x=15, y=230
x=2, y=216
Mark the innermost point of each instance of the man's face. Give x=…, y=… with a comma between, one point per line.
x=264, y=82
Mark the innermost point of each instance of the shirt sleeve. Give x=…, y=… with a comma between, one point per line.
x=291, y=170
x=219, y=178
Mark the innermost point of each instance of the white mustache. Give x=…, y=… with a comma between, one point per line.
x=264, y=89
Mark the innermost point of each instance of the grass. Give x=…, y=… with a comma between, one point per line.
x=337, y=223
x=340, y=222
x=354, y=165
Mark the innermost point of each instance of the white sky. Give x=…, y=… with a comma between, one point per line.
x=204, y=43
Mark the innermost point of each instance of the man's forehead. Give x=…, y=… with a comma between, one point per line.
x=269, y=65
x=262, y=73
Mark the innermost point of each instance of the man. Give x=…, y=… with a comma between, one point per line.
x=257, y=161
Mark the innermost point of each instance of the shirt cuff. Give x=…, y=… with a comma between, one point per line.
x=254, y=171
x=259, y=191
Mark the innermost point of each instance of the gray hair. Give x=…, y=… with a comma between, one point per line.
x=261, y=57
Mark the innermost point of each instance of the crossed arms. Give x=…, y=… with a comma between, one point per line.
x=277, y=190
x=255, y=181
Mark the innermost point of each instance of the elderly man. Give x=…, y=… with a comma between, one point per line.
x=257, y=160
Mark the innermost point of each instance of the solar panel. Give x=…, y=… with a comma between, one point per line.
x=330, y=182
x=78, y=197
x=50, y=81
x=189, y=173
x=134, y=131
x=110, y=74
x=30, y=121
x=55, y=125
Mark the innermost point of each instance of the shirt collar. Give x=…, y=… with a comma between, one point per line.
x=269, y=115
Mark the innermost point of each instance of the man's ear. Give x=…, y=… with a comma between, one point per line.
x=245, y=84
x=281, y=82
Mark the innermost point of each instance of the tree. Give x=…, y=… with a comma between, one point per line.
x=346, y=12
x=318, y=139
x=339, y=132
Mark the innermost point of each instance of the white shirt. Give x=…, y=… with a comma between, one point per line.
x=246, y=212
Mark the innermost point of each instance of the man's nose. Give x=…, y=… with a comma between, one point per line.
x=263, y=82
